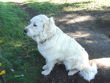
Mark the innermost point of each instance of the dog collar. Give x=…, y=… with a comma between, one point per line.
x=43, y=41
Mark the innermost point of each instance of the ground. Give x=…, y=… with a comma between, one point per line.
x=93, y=35
x=91, y=28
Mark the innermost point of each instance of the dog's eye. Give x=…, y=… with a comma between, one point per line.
x=34, y=25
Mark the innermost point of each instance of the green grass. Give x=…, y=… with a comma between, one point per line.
x=15, y=46
x=51, y=8
x=19, y=52
x=44, y=8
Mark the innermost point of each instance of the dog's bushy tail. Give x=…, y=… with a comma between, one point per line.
x=89, y=72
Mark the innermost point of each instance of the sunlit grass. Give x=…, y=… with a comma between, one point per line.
x=55, y=8
x=15, y=46
x=90, y=5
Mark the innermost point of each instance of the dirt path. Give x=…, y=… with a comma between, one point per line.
x=92, y=31
x=88, y=32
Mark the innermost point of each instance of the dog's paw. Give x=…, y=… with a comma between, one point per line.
x=70, y=73
x=45, y=67
x=46, y=72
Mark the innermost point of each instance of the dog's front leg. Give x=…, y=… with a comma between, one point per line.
x=45, y=67
x=48, y=67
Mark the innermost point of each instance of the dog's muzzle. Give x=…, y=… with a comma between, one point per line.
x=25, y=31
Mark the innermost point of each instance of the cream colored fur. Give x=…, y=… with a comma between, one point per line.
x=57, y=47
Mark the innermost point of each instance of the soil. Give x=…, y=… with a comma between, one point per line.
x=92, y=31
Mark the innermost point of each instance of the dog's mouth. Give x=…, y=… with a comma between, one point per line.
x=33, y=36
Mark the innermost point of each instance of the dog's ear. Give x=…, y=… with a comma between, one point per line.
x=49, y=27
x=51, y=21
x=49, y=24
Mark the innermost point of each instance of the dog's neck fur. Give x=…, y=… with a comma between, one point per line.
x=44, y=40
x=41, y=40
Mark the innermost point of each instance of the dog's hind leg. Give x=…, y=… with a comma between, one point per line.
x=72, y=72
x=71, y=66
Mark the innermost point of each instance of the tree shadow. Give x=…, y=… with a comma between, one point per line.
x=87, y=32
x=51, y=9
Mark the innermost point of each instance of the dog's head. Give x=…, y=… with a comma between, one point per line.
x=40, y=26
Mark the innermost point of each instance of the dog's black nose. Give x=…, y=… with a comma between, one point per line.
x=25, y=30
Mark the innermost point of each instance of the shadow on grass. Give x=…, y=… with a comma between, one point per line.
x=51, y=9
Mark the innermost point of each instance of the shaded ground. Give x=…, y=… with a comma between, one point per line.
x=92, y=31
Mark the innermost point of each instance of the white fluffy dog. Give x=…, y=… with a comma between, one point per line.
x=57, y=47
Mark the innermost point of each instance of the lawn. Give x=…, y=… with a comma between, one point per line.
x=18, y=53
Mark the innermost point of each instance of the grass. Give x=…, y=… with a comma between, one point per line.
x=18, y=53
x=44, y=8
x=51, y=8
